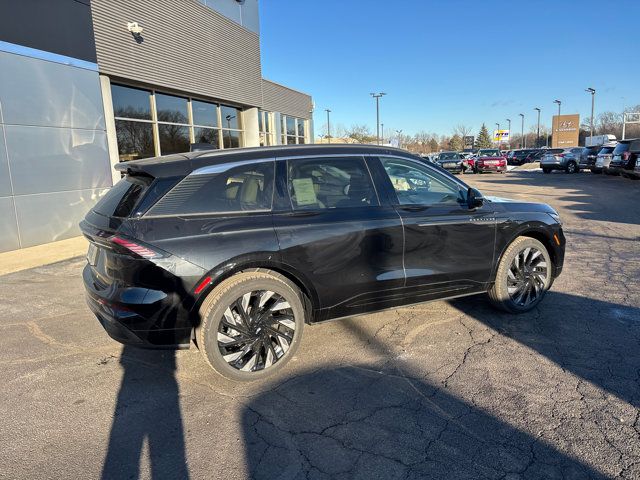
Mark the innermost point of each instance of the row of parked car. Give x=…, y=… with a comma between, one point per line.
x=483, y=161
x=614, y=158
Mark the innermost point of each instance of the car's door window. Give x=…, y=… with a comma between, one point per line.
x=324, y=183
x=417, y=184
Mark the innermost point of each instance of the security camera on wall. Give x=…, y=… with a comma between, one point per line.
x=134, y=28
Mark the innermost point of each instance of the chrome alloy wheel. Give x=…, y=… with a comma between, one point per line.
x=527, y=276
x=256, y=330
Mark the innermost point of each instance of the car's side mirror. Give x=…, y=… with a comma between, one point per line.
x=474, y=198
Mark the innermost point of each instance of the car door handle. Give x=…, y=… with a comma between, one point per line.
x=414, y=208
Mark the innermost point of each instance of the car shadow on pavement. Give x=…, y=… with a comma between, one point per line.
x=357, y=421
x=595, y=340
x=147, y=410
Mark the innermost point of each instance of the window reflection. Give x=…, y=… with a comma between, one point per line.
x=131, y=102
x=207, y=135
x=204, y=113
x=231, y=139
x=171, y=109
x=173, y=139
x=230, y=117
x=135, y=140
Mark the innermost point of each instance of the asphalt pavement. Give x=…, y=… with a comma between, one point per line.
x=448, y=389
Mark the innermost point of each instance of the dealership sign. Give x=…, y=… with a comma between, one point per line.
x=501, y=136
x=566, y=129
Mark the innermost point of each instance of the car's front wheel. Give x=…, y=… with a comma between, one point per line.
x=524, y=275
x=572, y=167
x=251, y=325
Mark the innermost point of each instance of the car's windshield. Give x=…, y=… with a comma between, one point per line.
x=489, y=153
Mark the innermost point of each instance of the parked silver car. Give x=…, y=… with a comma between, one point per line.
x=566, y=159
x=603, y=159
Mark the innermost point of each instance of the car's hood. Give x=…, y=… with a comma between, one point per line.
x=520, y=206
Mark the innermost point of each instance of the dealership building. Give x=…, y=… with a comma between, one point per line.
x=85, y=84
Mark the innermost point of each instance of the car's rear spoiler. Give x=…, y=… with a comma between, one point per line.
x=169, y=166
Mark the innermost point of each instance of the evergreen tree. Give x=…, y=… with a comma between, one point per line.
x=455, y=143
x=484, y=139
x=433, y=145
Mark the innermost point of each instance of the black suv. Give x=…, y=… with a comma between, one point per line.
x=524, y=155
x=587, y=158
x=624, y=158
x=237, y=250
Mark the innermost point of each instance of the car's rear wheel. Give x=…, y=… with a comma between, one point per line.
x=546, y=170
x=572, y=167
x=251, y=325
x=525, y=273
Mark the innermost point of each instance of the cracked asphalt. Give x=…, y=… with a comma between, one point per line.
x=449, y=389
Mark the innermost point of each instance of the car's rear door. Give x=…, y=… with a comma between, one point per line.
x=449, y=248
x=337, y=234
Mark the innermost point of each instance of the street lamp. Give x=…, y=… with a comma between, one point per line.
x=559, y=105
x=498, y=125
x=398, y=132
x=378, y=96
x=382, y=132
x=592, y=91
x=522, y=139
x=509, y=120
x=328, y=125
x=538, y=134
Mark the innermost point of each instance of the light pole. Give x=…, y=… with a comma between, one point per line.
x=592, y=91
x=558, y=122
x=328, y=125
x=382, y=132
x=509, y=120
x=498, y=125
x=377, y=96
x=522, y=139
x=538, y=134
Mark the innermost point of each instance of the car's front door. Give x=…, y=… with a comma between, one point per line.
x=334, y=230
x=449, y=248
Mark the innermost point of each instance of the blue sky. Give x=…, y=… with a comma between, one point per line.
x=446, y=62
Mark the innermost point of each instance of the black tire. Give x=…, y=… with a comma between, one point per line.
x=546, y=170
x=531, y=280
x=572, y=167
x=274, y=334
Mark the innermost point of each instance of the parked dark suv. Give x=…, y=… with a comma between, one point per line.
x=237, y=250
x=587, y=157
x=624, y=158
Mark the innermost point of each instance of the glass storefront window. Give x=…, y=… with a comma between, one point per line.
x=131, y=102
x=207, y=135
x=142, y=134
x=173, y=138
x=230, y=139
x=204, y=113
x=135, y=140
x=230, y=117
x=291, y=125
x=171, y=109
x=301, y=128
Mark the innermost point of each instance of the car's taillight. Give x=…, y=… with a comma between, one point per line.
x=136, y=248
x=561, y=155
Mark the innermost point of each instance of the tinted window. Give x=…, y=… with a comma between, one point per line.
x=489, y=153
x=291, y=125
x=173, y=139
x=417, y=184
x=207, y=135
x=231, y=139
x=330, y=183
x=605, y=150
x=229, y=117
x=122, y=197
x=621, y=148
x=449, y=156
x=635, y=146
x=135, y=140
x=130, y=102
x=227, y=189
x=204, y=113
x=171, y=109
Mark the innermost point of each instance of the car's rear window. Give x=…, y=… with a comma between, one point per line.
x=122, y=197
x=227, y=188
x=605, y=150
x=621, y=148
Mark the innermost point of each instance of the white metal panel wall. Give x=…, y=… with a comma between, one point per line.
x=278, y=98
x=184, y=46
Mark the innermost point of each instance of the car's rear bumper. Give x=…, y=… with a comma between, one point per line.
x=491, y=168
x=137, y=316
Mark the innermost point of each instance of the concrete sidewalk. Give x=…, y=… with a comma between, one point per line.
x=39, y=255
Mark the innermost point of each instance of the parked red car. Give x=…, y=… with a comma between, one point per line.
x=490, y=160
